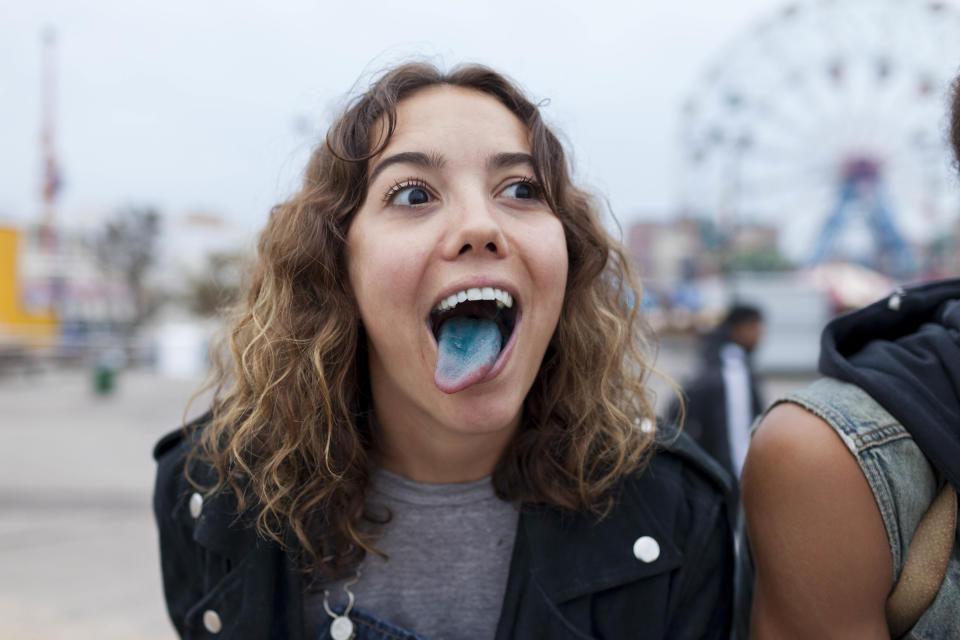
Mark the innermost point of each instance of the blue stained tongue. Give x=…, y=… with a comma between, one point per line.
x=468, y=347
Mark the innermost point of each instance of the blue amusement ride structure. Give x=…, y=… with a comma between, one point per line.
x=861, y=192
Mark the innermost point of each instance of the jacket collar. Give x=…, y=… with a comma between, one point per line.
x=219, y=528
x=567, y=554
x=573, y=554
x=552, y=541
x=566, y=566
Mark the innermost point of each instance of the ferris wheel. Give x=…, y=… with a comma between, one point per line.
x=829, y=119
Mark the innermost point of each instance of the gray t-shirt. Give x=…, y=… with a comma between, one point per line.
x=448, y=548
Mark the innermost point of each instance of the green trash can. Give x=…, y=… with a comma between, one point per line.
x=105, y=370
x=104, y=379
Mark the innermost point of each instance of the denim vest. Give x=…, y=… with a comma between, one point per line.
x=902, y=481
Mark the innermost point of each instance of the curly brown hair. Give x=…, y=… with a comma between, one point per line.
x=291, y=430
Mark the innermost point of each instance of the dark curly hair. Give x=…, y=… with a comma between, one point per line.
x=291, y=432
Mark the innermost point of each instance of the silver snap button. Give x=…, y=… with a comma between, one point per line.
x=893, y=303
x=196, y=505
x=341, y=628
x=646, y=549
x=211, y=620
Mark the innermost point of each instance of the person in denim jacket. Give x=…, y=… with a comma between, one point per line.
x=840, y=473
x=433, y=419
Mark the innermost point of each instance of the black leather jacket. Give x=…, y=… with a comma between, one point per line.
x=570, y=576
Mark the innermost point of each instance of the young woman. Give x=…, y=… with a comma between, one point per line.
x=433, y=422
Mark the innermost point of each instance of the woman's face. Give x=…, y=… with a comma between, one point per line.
x=452, y=211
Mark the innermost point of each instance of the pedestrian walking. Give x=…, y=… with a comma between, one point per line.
x=723, y=398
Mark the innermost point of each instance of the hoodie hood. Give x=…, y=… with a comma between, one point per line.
x=904, y=351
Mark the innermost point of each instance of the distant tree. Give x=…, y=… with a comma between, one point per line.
x=218, y=286
x=126, y=247
x=757, y=259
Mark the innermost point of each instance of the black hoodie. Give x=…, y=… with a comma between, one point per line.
x=905, y=352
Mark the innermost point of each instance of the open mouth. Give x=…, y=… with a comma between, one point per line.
x=478, y=303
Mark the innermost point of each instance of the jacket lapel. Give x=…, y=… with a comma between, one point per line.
x=560, y=557
x=259, y=596
x=566, y=568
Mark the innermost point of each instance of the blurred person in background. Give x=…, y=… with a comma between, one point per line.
x=723, y=399
x=433, y=421
x=850, y=484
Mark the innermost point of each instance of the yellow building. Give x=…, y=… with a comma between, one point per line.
x=17, y=325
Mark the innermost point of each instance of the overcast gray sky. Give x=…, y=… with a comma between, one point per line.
x=194, y=105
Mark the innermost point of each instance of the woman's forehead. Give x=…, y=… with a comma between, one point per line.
x=458, y=120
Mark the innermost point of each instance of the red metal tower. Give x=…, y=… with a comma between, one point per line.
x=51, y=180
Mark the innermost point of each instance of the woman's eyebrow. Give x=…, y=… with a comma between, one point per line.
x=425, y=160
x=506, y=160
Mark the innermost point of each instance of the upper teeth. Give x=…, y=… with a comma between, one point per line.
x=502, y=298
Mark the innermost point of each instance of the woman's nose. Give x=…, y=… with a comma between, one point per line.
x=476, y=229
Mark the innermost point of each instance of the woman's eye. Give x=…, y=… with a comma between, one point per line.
x=410, y=196
x=523, y=190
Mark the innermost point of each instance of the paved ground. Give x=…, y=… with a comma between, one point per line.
x=78, y=556
x=78, y=552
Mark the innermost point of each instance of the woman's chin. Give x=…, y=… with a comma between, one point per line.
x=482, y=418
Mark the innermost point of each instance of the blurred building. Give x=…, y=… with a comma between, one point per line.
x=667, y=253
x=52, y=287
x=58, y=297
x=202, y=254
x=672, y=254
x=188, y=239
x=19, y=325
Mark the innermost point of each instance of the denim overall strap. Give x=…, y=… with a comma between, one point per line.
x=369, y=627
